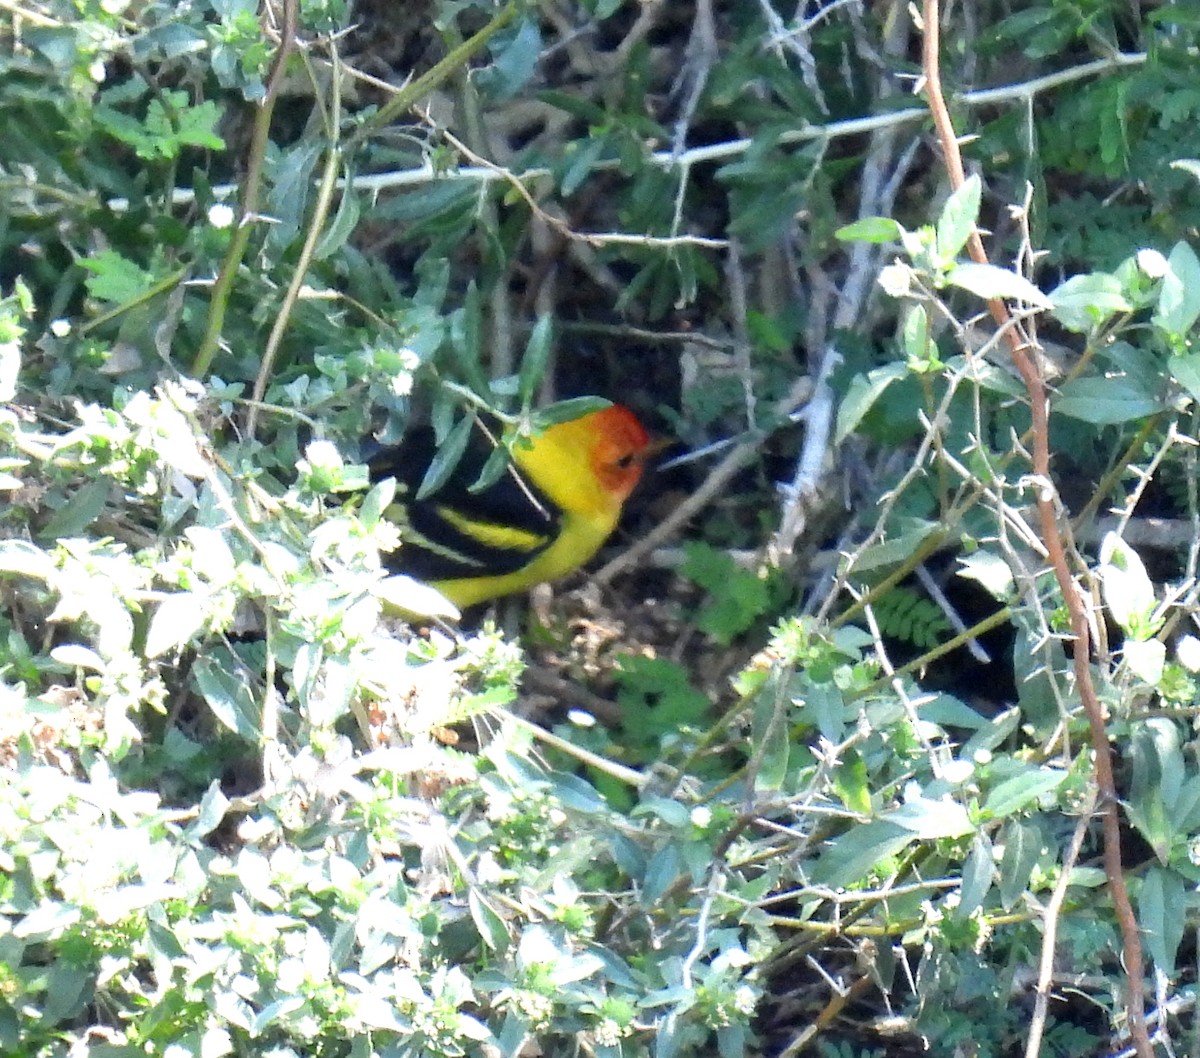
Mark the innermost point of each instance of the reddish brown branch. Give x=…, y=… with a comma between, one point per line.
x=1019, y=345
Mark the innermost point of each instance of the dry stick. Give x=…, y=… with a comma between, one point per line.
x=735, y=277
x=877, y=192
x=832, y=1010
x=1052, y=538
x=700, y=56
x=1041, y=1005
x=455, y=60
x=717, y=152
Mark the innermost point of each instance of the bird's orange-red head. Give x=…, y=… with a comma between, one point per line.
x=621, y=448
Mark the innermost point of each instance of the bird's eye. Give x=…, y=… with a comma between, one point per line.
x=626, y=461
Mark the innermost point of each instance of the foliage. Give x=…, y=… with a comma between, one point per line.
x=237, y=816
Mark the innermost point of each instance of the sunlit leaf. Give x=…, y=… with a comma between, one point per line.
x=957, y=221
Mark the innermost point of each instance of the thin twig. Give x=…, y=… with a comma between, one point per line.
x=1050, y=916
x=700, y=56
x=623, y=774
x=735, y=277
x=592, y=238
x=430, y=172
x=935, y=592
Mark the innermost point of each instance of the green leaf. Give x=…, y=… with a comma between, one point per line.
x=823, y=704
x=990, y=571
x=575, y=105
x=1105, y=401
x=577, y=794
x=10, y=370
x=494, y=466
x=334, y=237
x=274, y=1012
x=466, y=342
x=1179, y=296
x=115, y=278
x=445, y=462
x=290, y=190
x=1162, y=915
x=861, y=396
x=736, y=597
x=990, y=281
x=769, y=735
x=915, y=336
x=378, y=500
x=871, y=229
x=78, y=656
x=851, y=782
x=910, y=534
x=579, y=158
x=68, y=988
x=228, y=696
x=976, y=877
x=1013, y=794
x=948, y=711
x=852, y=855
x=514, y=60
x=1127, y=588
x=661, y=871
x=533, y=362
x=574, y=968
x=566, y=410
x=47, y=922
x=656, y=697
x=670, y=811
x=196, y=124
x=1085, y=302
x=1146, y=659
x=1022, y=844
x=25, y=559
x=930, y=818
x=957, y=221
x=492, y=929
x=412, y=597
x=176, y=619
x=1186, y=371
x=79, y=511
x=213, y=807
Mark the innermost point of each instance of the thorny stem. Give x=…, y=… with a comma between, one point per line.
x=1052, y=538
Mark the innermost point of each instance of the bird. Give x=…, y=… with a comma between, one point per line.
x=552, y=509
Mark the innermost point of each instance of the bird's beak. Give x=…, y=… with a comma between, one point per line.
x=657, y=447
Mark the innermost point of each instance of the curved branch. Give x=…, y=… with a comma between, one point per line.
x=1019, y=346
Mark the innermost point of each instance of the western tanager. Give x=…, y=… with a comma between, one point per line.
x=549, y=512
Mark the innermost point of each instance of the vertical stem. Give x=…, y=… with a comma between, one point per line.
x=251, y=190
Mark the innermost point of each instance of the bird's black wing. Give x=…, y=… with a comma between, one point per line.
x=456, y=532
